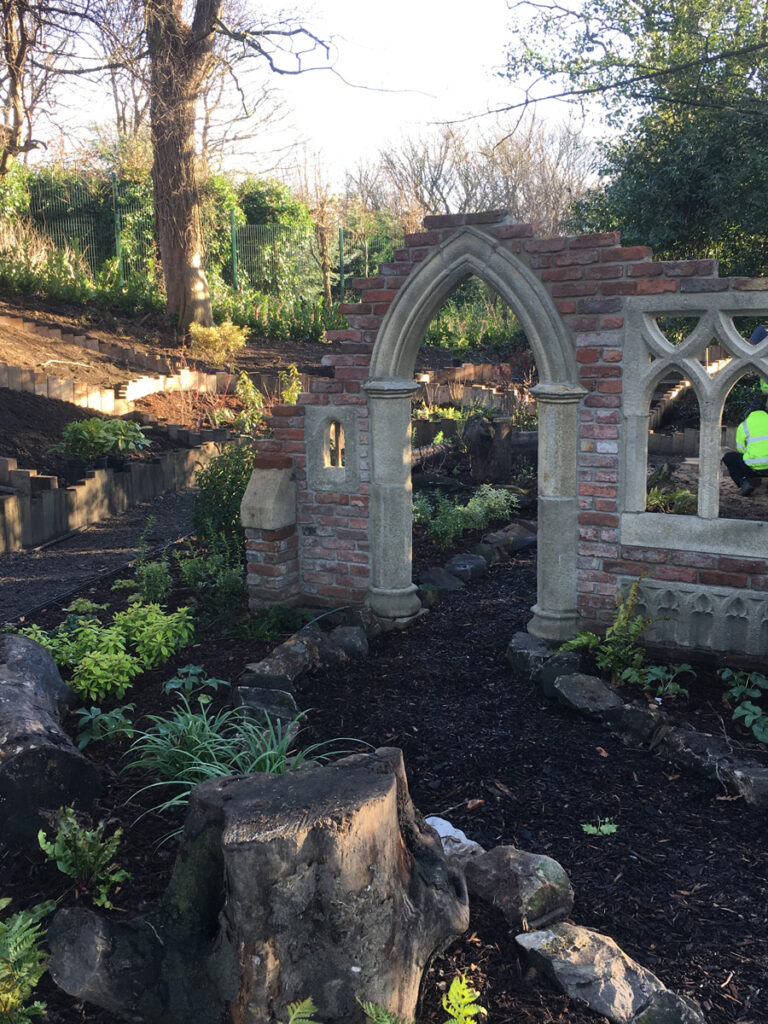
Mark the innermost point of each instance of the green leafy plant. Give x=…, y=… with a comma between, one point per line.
x=301, y=1013
x=84, y=606
x=190, y=746
x=216, y=580
x=155, y=635
x=603, y=827
x=444, y=520
x=86, y=855
x=104, y=673
x=745, y=689
x=619, y=649
x=192, y=678
x=216, y=508
x=22, y=961
x=290, y=384
x=659, y=680
x=95, y=725
x=153, y=580
x=276, y=621
x=680, y=502
x=88, y=439
x=460, y=1003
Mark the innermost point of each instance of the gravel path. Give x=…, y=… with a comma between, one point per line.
x=31, y=579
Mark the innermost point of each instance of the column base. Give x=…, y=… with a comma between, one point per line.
x=399, y=603
x=552, y=625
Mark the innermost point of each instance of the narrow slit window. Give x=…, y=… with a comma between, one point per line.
x=336, y=444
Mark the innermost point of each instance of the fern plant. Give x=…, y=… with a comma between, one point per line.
x=86, y=855
x=460, y=1003
x=301, y=1013
x=619, y=650
x=22, y=962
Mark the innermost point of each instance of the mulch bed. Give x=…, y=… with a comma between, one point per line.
x=682, y=885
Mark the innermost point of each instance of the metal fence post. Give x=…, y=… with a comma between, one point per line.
x=342, y=281
x=233, y=235
x=118, y=241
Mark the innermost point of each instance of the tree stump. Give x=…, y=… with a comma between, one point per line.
x=324, y=883
x=40, y=769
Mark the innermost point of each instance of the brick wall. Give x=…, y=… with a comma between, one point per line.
x=590, y=279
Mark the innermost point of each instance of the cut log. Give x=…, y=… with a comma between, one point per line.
x=324, y=883
x=40, y=769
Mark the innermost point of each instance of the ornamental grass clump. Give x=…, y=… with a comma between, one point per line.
x=192, y=745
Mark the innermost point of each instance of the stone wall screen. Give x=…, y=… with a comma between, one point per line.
x=595, y=315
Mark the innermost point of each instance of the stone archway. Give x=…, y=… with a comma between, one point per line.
x=471, y=251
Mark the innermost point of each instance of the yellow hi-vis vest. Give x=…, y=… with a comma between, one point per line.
x=752, y=439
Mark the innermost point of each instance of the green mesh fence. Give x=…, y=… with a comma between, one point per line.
x=111, y=222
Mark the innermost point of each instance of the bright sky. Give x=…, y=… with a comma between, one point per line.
x=438, y=58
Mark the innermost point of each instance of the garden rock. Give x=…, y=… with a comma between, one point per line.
x=281, y=669
x=325, y=652
x=528, y=888
x=526, y=654
x=644, y=724
x=428, y=595
x=270, y=705
x=352, y=640
x=700, y=752
x=40, y=769
x=561, y=664
x=517, y=536
x=440, y=579
x=324, y=882
x=456, y=846
x=588, y=695
x=750, y=780
x=669, y=1008
x=467, y=567
x=591, y=969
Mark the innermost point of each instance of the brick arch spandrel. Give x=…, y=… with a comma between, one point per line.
x=468, y=253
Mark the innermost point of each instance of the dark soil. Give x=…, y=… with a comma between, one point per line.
x=682, y=886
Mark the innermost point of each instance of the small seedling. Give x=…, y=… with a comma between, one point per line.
x=192, y=678
x=604, y=827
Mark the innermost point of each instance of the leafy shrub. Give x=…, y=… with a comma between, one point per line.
x=745, y=689
x=217, y=344
x=153, y=580
x=445, y=520
x=216, y=508
x=680, y=502
x=190, y=679
x=216, y=580
x=154, y=635
x=189, y=746
x=88, y=439
x=86, y=855
x=104, y=660
x=96, y=725
x=290, y=384
x=474, y=317
x=22, y=961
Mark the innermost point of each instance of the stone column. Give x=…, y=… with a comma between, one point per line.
x=555, y=614
x=634, y=466
x=392, y=593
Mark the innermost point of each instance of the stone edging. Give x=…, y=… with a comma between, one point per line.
x=557, y=676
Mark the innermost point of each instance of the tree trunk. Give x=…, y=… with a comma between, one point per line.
x=40, y=769
x=324, y=883
x=180, y=57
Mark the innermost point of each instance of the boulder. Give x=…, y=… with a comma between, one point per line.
x=561, y=664
x=456, y=846
x=441, y=580
x=669, y=1008
x=467, y=567
x=641, y=723
x=325, y=883
x=40, y=768
x=591, y=969
x=529, y=889
x=526, y=654
x=273, y=705
x=352, y=640
x=588, y=695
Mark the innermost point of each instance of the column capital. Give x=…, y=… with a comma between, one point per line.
x=390, y=388
x=559, y=393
